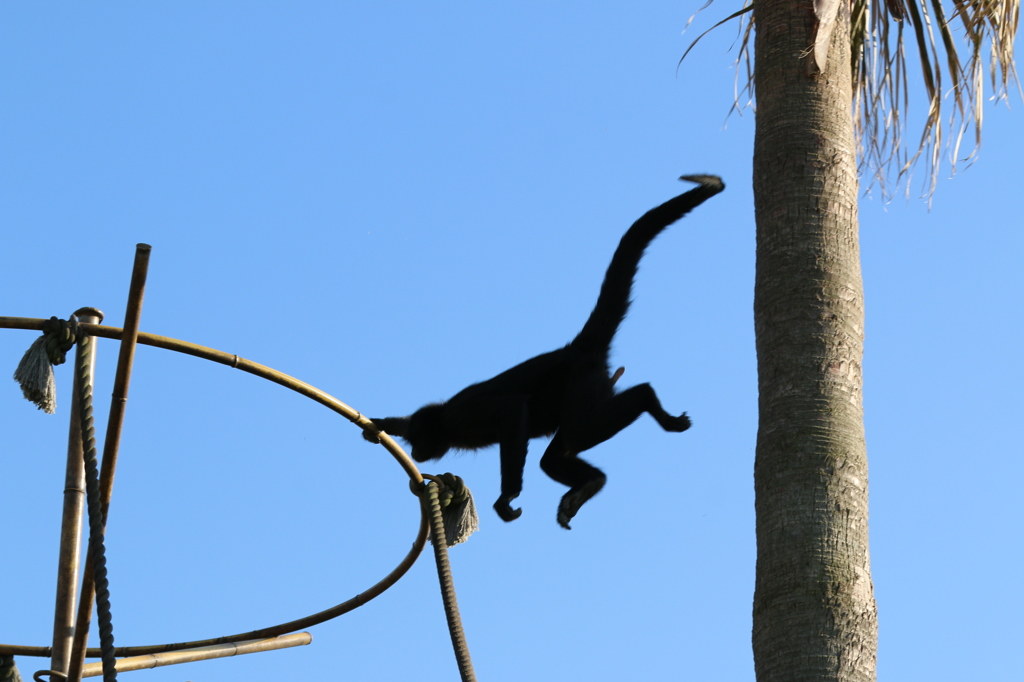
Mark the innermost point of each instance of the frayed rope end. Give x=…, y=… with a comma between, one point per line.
x=35, y=371
x=458, y=511
x=35, y=376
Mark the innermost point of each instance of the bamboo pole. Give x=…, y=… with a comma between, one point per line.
x=123, y=374
x=201, y=654
x=70, y=553
x=119, y=399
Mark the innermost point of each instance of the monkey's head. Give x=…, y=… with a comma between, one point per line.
x=426, y=433
x=423, y=430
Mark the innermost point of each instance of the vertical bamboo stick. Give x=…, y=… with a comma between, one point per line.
x=71, y=522
x=123, y=376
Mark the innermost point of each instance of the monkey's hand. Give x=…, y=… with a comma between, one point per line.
x=679, y=424
x=370, y=435
x=505, y=510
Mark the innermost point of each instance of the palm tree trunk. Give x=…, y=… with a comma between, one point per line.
x=814, y=608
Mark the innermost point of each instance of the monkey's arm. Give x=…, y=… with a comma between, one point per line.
x=514, y=439
x=393, y=426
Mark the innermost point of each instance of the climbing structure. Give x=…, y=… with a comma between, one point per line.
x=445, y=503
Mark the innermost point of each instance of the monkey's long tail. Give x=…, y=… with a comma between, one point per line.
x=613, y=301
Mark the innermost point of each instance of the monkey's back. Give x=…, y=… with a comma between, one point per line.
x=479, y=413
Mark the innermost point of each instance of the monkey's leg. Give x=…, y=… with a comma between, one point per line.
x=584, y=479
x=615, y=414
x=590, y=425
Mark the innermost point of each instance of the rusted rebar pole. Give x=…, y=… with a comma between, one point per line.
x=111, y=443
x=70, y=553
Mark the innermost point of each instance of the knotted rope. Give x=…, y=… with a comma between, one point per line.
x=35, y=371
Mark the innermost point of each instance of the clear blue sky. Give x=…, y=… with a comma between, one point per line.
x=391, y=202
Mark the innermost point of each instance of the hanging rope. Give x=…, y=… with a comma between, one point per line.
x=432, y=504
x=35, y=375
x=97, y=551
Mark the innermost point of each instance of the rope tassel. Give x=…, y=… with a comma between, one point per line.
x=458, y=511
x=35, y=375
x=8, y=669
x=35, y=371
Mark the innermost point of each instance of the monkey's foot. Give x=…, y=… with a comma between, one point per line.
x=679, y=424
x=576, y=498
x=505, y=510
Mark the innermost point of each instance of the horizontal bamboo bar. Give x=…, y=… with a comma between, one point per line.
x=201, y=654
x=237, y=362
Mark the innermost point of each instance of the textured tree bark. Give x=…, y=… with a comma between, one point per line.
x=814, y=608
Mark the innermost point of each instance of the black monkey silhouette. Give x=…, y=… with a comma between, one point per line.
x=567, y=392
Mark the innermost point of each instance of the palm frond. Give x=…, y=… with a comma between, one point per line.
x=954, y=48
x=743, y=54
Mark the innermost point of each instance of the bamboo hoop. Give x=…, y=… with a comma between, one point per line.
x=300, y=387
